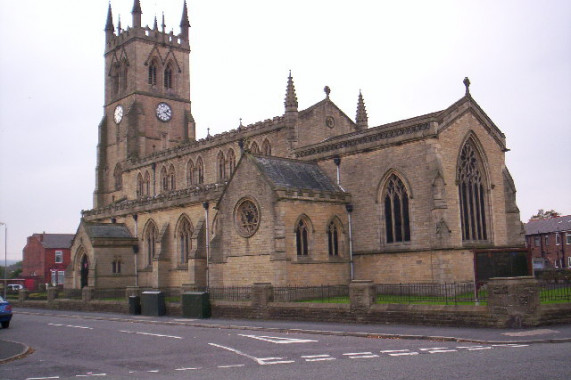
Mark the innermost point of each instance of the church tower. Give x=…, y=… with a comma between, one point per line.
x=147, y=97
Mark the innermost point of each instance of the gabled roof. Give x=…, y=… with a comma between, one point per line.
x=293, y=174
x=107, y=230
x=562, y=223
x=54, y=241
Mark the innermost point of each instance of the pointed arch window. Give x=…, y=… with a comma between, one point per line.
x=471, y=192
x=190, y=172
x=147, y=185
x=184, y=236
x=115, y=77
x=221, y=166
x=171, y=178
x=254, y=148
x=199, y=171
x=118, y=176
x=266, y=148
x=150, y=240
x=302, y=237
x=231, y=162
x=164, y=179
x=124, y=74
x=140, y=185
x=333, y=239
x=396, y=206
x=168, y=79
x=153, y=73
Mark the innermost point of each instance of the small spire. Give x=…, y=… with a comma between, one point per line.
x=467, y=84
x=156, y=25
x=361, y=118
x=327, y=91
x=291, y=98
x=164, y=25
x=184, y=23
x=119, y=26
x=109, y=23
x=136, y=12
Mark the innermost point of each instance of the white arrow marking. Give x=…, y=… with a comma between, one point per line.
x=278, y=340
x=260, y=361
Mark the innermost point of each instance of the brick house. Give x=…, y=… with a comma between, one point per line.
x=550, y=242
x=45, y=258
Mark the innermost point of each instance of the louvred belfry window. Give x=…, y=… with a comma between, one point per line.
x=153, y=73
x=472, y=195
x=397, y=221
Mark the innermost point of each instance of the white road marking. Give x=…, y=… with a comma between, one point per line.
x=317, y=358
x=150, y=334
x=42, y=378
x=187, y=369
x=153, y=371
x=405, y=352
x=437, y=350
x=231, y=366
x=72, y=326
x=92, y=375
x=260, y=361
x=474, y=348
x=278, y=340
x=361, y=355
x=514, y=345
x=185, y=320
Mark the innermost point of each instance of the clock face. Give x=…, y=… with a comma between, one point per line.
x=164, y=112
x=118, y=114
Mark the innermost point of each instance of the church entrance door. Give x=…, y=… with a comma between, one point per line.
x=84, y=271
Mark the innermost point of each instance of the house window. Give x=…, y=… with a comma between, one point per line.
x=546, y=240
x=557, y=239
x=471, y=192
x=59, y=257
x=397, y=222
x=302, y=238
x=333, y=239
x=569, y=262
x=60, y=277
x=536, y=241
x=568, y=238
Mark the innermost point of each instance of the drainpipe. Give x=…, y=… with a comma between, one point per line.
x=205, y=205
x=136, y=250
x=349, y=208
x=337, y=161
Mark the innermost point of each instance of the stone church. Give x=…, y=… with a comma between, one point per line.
x=308, y=197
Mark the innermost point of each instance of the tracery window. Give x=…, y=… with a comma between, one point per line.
x=171, y=179
x=199, y=171
x=302, y=237
x=164, y=179
x=247, y=217
x=168, y=77
x=140, y=186
x=153, y=73
x=221, y=166
x=147, y=185
x=266, y=148
x=116, y=266
x=254, y=149
x=396, y=206
x=184, y=236
x=231, y=162
x=333, y=239
x=471, y=193
x=118, y=176
x=190, y=172
x=150, y=239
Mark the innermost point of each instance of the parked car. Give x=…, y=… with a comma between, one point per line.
x=5, y=313
x=15, y=287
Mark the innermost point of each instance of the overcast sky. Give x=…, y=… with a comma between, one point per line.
x=408, y=58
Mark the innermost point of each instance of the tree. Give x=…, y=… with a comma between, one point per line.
x=542, y=215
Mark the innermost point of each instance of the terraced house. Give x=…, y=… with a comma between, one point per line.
x=308, y=197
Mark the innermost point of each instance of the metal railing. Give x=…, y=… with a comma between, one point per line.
x=322, y=294
x=550, y=292
x=432, y=293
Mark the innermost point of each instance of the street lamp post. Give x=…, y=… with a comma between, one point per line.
x=5, y=257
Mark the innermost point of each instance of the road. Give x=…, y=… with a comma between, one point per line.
x=75, y=348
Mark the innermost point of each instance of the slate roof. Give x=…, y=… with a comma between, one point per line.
x=562, y=223
x=292, y=174
x=107, y=230
x=54, y=241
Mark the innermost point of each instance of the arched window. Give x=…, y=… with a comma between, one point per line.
x=115, y=77
x=266, y=148
x=150, y=240
x=231, y=162
x=471, y=191
x=124, y=73
x=333, y=239
x=147, y=186
x=168, y=77
x=199, y=171
x=397, y=221
x=116, y=265
x=184, y=236
x=164, y=179
x=118, y=176
x=153, y=73
x=140, y=186
x=190, y=172
x=254, y=149
x=221, y=166
x=171, y=179
x=302, y=237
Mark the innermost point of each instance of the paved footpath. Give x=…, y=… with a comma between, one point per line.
x=544, y=334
